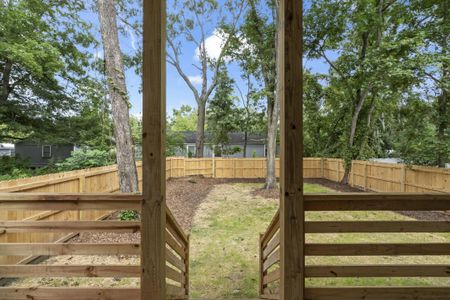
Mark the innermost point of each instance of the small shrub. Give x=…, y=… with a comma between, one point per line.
x=128, y=215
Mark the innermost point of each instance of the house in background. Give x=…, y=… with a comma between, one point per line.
x=6, y=149
x=39, y=155
x=256, y=145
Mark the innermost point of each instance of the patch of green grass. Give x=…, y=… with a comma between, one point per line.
x=225, y=241
x=225, y=244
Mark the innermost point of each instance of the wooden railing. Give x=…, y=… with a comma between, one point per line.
x=270, y=251
x=177, y=247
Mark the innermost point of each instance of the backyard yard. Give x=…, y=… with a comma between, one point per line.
x=224, y=218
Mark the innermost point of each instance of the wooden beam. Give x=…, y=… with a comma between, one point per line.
x=23, y=249
x=290, y=95
x=153, y=212
x=69, y=293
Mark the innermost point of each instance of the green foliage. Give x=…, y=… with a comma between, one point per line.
x=183, y=119
x=128, y=215
x=222, y=113
x=44, y=62
x=83, y=159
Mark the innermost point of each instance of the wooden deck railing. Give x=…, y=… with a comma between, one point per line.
x=177, y=247
x=270, y=252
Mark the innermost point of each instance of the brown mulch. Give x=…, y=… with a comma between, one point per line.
x=183, y=196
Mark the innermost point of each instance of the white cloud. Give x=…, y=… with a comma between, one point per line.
x=98, y=54
x=132, y=37
x=213, y=44
x=196, y=79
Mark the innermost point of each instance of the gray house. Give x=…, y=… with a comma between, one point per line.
x=256, y=145
x=39, y=155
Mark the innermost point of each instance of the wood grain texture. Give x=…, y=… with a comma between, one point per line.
x=290, y=95
x=153, y=212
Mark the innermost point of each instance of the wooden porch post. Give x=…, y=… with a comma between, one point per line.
x=153, y=215
x=290, y=93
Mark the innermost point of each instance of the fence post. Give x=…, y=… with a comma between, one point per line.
x=402, y=178
x=186, y=262
x=184, y=166
x=213, y=167
x=337, y=169
x=322, y=162
x=261, y=265
x=365, y=175
x=352, y=170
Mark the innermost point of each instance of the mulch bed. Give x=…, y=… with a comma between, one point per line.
x=184, y=196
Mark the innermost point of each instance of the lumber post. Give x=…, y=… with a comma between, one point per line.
x=261, y=265
x=186, y=262
x=402, y=178
x=365, y=174
x=153, y=210
x=290, y=95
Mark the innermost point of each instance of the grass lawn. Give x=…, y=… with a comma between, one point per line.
x=225, y=237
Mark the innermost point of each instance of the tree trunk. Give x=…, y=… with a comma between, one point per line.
x=6, y=77
x=272, y=129
x=128, y=180
x=200, y=140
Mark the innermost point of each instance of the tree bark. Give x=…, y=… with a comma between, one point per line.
x=128, y=180
x=6, y=77
x=272, y=130
x=200, y=139
x=245, y=143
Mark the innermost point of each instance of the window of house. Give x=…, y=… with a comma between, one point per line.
x=46, y=151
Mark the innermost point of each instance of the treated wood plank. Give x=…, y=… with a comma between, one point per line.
x=273, y=227
x=13, y=271
x=269, y=296
x=377, y=293
x=175, y=275
x=378, y=271
x=271, y=260
x=69, y=293
x=376, y=226
x=172, y=223
x=69, y=226
x=290, y=95
x=271, y=277
x=377, y=201
x=175, y=292
x=25, y=249
x=377, y=249
x=154, y=211
x=175, y=261
x=274, y=243
x=170, y=240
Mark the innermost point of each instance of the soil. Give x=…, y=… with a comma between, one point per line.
x=183, y=196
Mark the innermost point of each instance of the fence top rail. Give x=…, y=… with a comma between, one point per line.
x=21, y=197
x=377, y=196
x=272, y=228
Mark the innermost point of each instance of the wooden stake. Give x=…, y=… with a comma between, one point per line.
x=290, y=93
x=153, y=214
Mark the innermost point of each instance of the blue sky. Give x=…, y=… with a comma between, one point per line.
x=178, y=92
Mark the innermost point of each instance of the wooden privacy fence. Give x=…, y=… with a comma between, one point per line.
x=270, y=248
x=369, y=176
x=177, y=247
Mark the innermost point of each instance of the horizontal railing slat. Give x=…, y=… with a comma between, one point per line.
x=376, y=226
x=378, y=293
x=271, y=260
x=377, y=249
x=70, y=226
x=25, y=249
x=175, y=261
x=377, y=201
x=12, y=271
x=272, y=276
x=275, y=242
x=69, y=293
x=378, y=271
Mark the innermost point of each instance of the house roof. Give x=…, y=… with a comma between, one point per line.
x=236, y=138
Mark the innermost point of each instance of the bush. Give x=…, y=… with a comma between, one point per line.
x=83, y=159
x=127, y=215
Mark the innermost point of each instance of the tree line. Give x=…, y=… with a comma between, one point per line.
x=383, y=92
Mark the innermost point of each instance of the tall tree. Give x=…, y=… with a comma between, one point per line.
x=44, y=64
x=128, y=180
x=259, y=32
x=222, y=113
x=189, y=21
x=366, y=70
